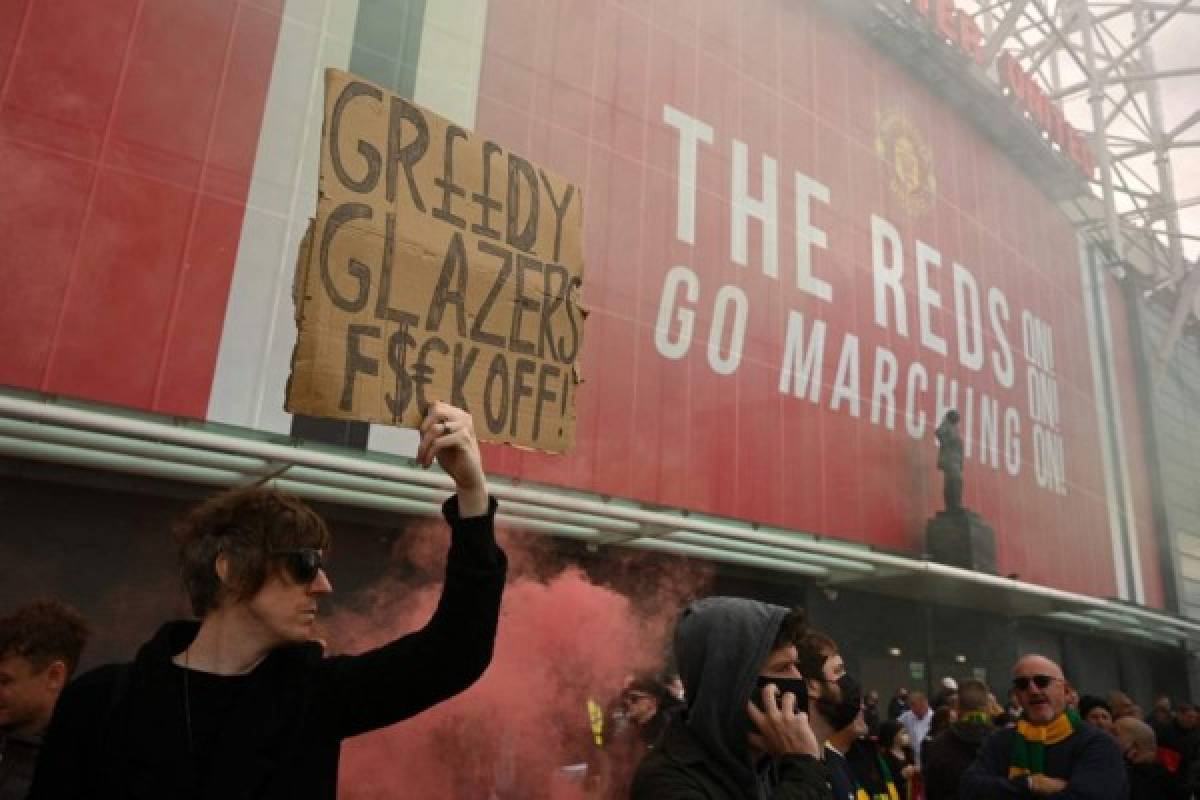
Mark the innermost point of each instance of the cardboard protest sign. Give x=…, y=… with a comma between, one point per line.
x=439, y=267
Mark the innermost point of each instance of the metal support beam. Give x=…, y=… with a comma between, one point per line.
x=1096, y=99
x=1162, y=161
x=1001, y=34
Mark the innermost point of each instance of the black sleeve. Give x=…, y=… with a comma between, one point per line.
x=393, y=682
x=932, y=771
x=1097, y=772
x=66, y=764
x=657, y=778
x=987, y=778
x=801, y=778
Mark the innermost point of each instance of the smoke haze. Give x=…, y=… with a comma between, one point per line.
x=564, y=637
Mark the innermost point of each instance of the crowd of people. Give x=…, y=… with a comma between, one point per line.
x=243, y=701
x=959, y=742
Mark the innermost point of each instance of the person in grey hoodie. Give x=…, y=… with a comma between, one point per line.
x=743, y=736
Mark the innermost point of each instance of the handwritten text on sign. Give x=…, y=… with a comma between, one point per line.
x=439, y=267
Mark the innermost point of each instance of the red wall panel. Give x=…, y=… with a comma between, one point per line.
x=41, y=211
x=132, y=127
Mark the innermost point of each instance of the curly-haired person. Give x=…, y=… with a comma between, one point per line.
x=40, y=645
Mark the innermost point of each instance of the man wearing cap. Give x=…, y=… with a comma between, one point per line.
x=946, y=695
x=742, y=737
x=1051, y=751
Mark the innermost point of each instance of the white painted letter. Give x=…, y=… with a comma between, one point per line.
x=1012, y=441
x=928, y=297
x=743, y=206
x=801, y=371
x=970, y=330
x=808, y=237
x=883, y=392
x=725, y=365
x=915, y=420
x=1002, y=360
x=887, y=274
x=676, y=348
x=691, y=132
x=846, y=384
x=989, y=431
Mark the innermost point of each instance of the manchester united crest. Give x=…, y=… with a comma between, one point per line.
x=902, y=147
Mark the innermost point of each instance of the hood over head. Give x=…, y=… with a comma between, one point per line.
x=720, y=646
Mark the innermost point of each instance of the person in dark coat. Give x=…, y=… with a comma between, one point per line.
x=1050, y=751
x=873, y=774
x=898, y=704
x=841, y=757
x=1148, y=779
x=1179, y=742
x=895, y=746
x=1096, y=712
x=648, y=709
x=871, y=712
x=948, y=755
x=40, y=647
x=730, y=650
x=242, y=704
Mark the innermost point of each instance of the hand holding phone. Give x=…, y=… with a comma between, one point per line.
x=781, y=729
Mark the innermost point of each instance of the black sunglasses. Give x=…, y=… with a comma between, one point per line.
x=1021, y=684
x=302, y=564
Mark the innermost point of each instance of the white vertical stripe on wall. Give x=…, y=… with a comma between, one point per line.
x=1121, y=460
x=1108, y=458
x=448, y=69
x=256, y=342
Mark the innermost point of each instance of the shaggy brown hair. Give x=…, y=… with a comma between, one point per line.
x=43, y=632
x=814, y=649
x=247, y=525
x=791, y=630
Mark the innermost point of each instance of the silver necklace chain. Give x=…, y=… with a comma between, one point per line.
x=187, y=706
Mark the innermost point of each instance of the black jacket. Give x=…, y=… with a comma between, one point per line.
x=720, y=645
x=680, y=769
x=1153, y=782
x=18, y=756
x=1089, y=760
x=120, y=731
x=948, y=755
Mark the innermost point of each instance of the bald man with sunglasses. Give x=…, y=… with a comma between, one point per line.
x=243, y=703
x=1051, y=752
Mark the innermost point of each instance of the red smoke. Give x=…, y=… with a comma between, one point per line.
x=562, y=639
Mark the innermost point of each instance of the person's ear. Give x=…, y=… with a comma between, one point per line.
x=221, y=565
x=814, y=687
x=56, y=676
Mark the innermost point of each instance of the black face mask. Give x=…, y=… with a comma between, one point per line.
x=840, y=713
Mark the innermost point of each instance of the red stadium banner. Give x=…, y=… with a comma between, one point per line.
x=800, y=259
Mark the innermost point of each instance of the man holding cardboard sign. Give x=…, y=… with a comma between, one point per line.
x=243, y=703
x=438, y=266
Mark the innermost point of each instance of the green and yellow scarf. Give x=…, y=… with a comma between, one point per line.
x=1029, y=745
